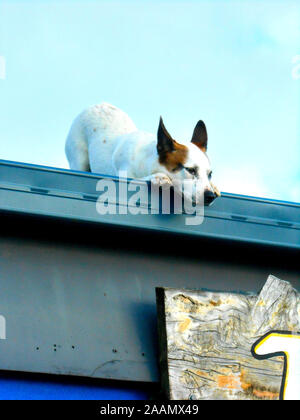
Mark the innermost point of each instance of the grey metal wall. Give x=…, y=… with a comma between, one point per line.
x=80, y=298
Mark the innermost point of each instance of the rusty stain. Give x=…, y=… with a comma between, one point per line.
x=245, y=385
x=215, y=303
x=228, y=381
x=261, y=393
x=201, y=373
x=265, y=394
x=255, y=390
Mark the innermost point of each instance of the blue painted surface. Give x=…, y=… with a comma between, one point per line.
x=43, y=387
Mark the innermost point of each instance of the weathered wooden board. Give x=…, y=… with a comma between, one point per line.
x=205, y=341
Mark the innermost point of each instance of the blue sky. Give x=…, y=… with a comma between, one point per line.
x=227, y=62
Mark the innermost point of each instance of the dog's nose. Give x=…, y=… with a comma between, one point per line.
x=209, y=197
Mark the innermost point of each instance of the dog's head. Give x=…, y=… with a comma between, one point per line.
x=188, y=162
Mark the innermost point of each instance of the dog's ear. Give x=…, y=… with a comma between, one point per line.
x=200, y=136
x=165, y=143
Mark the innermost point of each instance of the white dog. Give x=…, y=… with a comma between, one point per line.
x=103, y=139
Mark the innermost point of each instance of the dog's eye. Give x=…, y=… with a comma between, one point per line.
x=178, y=167
x=192, y=171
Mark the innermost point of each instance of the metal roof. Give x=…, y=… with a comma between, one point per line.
x=61, y=193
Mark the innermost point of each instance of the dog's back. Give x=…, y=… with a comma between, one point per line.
x=93, y=136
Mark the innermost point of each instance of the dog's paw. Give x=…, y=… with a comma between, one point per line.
x=216, y=191
x=161, y=180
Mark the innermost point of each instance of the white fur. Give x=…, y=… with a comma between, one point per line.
x=103, y=139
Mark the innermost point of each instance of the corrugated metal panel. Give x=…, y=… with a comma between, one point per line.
x=72, y=195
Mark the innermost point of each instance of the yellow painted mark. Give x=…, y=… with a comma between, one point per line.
x=184, y=325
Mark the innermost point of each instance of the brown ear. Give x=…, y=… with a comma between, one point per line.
x=165, y=143
x=200, y=136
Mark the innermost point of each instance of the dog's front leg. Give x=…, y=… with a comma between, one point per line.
x=159, y=179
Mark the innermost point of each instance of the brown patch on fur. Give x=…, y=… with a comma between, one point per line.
x=176, y=158
x=203, y=148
